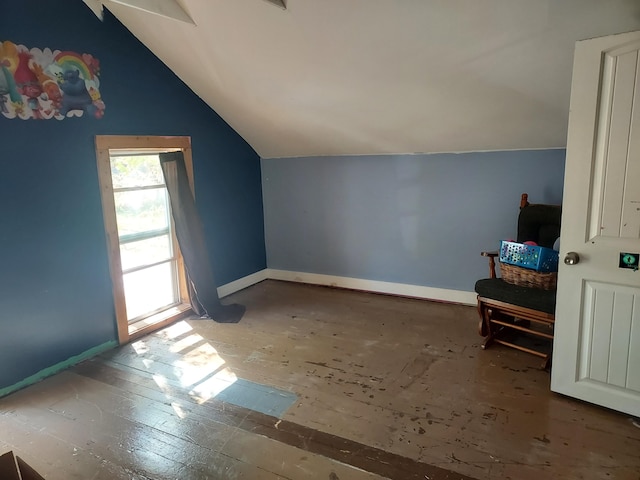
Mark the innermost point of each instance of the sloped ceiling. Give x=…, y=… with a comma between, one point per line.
x=338, y=77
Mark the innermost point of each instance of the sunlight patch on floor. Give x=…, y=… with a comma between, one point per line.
x=203, y=374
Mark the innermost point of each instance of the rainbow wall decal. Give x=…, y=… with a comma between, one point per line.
x=44, y=84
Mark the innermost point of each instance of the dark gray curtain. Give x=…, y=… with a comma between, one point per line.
x=202, y=285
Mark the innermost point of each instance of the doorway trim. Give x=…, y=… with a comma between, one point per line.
x=151, y=144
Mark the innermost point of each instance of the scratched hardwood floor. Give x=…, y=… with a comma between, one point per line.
x=386, y=387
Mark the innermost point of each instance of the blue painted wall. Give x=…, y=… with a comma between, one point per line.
x=55, y=290
x=415, y=219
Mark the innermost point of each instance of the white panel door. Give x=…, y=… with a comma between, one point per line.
x=596, y=354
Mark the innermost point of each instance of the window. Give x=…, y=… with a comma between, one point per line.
x=147, y=270
x=145, y=234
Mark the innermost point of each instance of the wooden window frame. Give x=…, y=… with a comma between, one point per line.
x=152, y=144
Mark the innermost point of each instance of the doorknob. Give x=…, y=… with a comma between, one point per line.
x=571, y=258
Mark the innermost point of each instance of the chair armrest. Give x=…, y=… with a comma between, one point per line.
x=492, y=262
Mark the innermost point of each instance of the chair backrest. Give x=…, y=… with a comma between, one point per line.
x=539, y=223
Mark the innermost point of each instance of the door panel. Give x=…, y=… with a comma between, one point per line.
x=619, y=368
x=597, y=334
x=633, y=380
x=615, y=151
x=605, y=348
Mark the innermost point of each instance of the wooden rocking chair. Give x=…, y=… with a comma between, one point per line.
x=506, y=309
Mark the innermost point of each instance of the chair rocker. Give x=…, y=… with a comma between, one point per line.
x=507, y=310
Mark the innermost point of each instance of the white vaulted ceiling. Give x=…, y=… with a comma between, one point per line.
x=339, y=77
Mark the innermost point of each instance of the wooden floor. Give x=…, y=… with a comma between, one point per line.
x=385, y=387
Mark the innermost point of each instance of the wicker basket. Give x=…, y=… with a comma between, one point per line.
x=525, y=277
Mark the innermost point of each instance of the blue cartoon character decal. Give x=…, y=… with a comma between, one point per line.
x=75, y=95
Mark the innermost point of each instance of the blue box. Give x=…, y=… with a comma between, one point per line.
x=540, y=259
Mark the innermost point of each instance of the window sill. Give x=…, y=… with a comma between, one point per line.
x=159, y=320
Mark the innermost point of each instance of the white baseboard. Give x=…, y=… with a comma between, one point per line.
x=241, y=283
x=403, y=289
